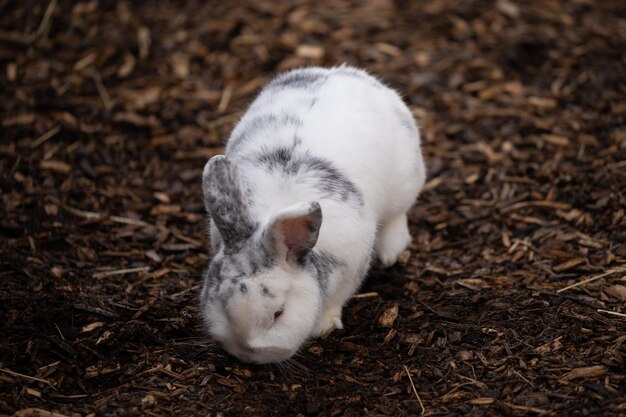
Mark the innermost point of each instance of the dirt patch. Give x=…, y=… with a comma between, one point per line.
x=110, y=109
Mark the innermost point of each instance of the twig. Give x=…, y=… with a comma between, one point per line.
x=104, y=95
x=464, y=384
x=99, y=275
x=543, y=204
x=96, y=310
x=427, y=306
x=419, y=400
x=223, y=120
x=92, y=215
x=365, y=295
x=521, y=376
x=31, y=378
x=160, y=368
x=31, y=37
x=31, y=411
x=44, y=27
x=41, y=139
x=128, y=220
x=613, y=313
x=604, y=274
x=474, y=381
x=227, y=94
x=534, y=410
x=15, y=165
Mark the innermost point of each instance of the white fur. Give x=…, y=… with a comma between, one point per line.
x=246, y=326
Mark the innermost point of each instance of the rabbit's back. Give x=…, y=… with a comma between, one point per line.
x=336, y=134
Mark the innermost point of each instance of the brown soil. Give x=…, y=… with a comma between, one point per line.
x=109, y=111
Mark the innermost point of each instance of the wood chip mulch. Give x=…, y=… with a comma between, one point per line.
x=511, y=300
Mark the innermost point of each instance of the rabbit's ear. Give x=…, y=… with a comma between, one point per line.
x=293, y=232
x=226, y=202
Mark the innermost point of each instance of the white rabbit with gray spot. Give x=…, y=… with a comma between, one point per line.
x=317, y=178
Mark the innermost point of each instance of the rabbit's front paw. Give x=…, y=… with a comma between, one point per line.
x=330, y=320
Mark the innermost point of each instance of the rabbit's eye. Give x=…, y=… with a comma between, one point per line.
x=278, y=313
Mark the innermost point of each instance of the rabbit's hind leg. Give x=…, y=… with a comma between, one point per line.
x=393, y=238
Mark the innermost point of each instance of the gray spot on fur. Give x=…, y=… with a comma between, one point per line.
x=205, y=295
x=291, y=161
x=252, y=258
x=406, y=119
x=261, y=123
x=226, y=295
x=265, y=292
x=226, y=271
x=212, y=275
x=324, y=264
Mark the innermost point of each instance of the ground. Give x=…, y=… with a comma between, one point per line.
x=109, y=111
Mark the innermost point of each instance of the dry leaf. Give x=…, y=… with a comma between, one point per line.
x=148, y=400
x=56, y=166
x=413, y=339
x=549, y=347
x=127, y=66
x=474, y=284
x=57, y=271
x=616, y=291
x=389, y=316
x=144, y=40
x=547, y=103
x=105, y=337
x=558, y=140
x=36, y=412
x=135, y=119
x=483, y=401
x=464, y=355
x=567, y=265
x=19, y=120
x=139, y=99
x=587, y=372
x=165, y=209
x=310, y=51
x=180, y=64
x=92, y=326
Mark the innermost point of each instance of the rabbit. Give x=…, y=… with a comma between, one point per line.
x=317, y=177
